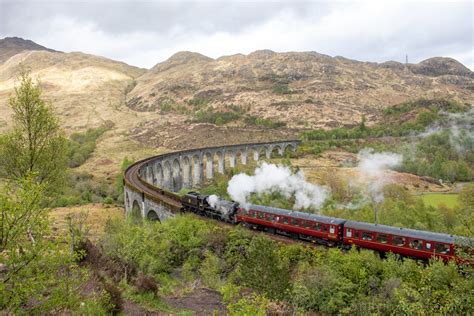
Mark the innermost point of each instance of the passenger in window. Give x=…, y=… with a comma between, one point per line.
x=416, y=244
x=381, y=238
x=398, y=241
x=442, y=248
x=366, y=236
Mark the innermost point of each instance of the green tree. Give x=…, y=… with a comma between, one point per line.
x=36, y=144
x=30, y=259
x=362, y=126
x=264, y=270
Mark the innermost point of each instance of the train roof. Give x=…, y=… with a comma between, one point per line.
x=296, y=214
x=404, y=232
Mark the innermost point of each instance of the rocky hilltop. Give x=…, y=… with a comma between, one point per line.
x=304, y=88
x=10, y=46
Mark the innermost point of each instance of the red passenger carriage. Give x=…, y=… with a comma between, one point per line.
x=406, y=242
x=305, y=226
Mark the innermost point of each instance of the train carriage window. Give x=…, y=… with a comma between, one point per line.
x=325, y=228
x=442, y=248
x=367, y=236
x=428, y=246
x=332, y=229
x=307, y=224
x=382, y=238
x=398, y=241
x=348, y=232
x=285, y=220
x=416, y=244
x=317, y=226
x=260, y=215
x=294, y=222
x=252, y=214
x=243, y=211
x=271, y=217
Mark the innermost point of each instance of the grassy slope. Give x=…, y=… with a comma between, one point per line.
x=436, y=199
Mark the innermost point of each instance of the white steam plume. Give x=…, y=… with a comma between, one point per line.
x=213, y=200
x=273, y=178
x=372, y=167
x=460, y=127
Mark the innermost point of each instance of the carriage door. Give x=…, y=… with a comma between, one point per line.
x=348, y=233
x=332, y=229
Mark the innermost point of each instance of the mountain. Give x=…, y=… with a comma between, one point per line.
x=10, y=46
x=84, y=89
x=302, y=88
x=191, y=100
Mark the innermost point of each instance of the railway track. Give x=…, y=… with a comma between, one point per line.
x=171, y=200
x=134, y=181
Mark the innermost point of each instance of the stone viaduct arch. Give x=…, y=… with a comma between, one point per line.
x=187, y=169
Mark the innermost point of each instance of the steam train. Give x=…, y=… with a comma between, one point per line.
x=331, y=231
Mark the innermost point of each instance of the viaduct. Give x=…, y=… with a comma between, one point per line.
x=150, y=184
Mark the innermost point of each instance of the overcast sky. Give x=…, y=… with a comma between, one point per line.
x=143, y=33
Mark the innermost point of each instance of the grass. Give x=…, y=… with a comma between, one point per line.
x=435, y=199
x=97, y=216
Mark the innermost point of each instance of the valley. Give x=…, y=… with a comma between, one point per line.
x=400, y=131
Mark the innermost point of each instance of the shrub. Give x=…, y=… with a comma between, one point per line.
x=282, y=89
x=82, y=145
x=198, y=102
x=252, y=120
x=112, y=298
x=218, y=117
x=146, y=284
x=210, y=271
x=264, y=270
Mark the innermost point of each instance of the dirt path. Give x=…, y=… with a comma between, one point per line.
x=201, y=301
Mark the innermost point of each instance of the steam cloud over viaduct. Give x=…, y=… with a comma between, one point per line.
x=148, y=181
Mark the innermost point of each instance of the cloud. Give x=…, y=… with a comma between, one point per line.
x=144, y=32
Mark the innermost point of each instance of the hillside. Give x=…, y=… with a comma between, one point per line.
x=10, y=46
x=84, y=89
x=191, y=100
x=325, y=91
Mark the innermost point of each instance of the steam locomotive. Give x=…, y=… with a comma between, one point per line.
x=331, y=231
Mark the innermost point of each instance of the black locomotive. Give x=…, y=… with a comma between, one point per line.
x=204, y=205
